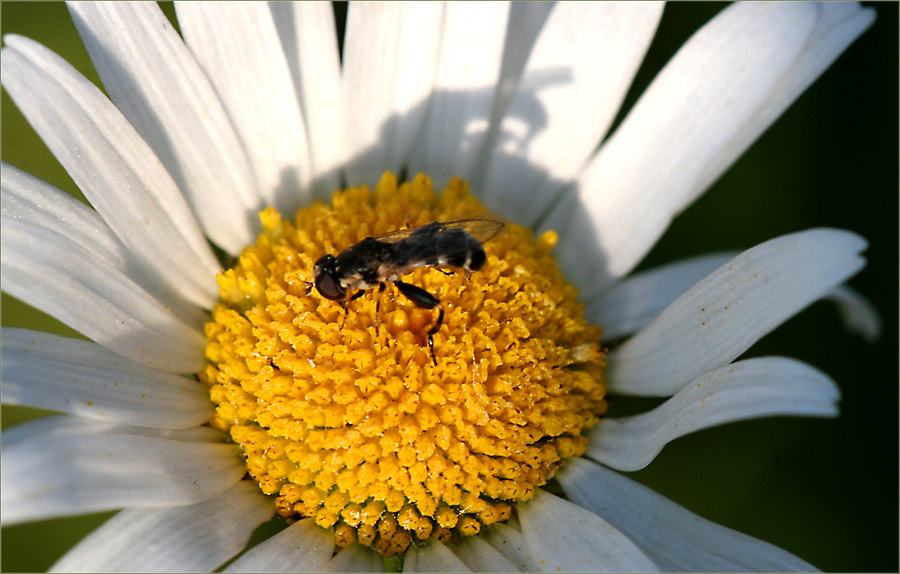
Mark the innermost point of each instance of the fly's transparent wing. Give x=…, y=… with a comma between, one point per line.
x=482, y=229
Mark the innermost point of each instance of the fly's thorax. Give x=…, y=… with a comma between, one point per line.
x=361, y=265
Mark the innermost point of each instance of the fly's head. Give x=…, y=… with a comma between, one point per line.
x=326, y=279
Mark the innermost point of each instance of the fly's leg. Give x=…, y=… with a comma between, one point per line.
x=346, y=305
x=424, y=300
x=381, y=287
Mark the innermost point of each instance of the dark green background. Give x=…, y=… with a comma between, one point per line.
x=824, y=489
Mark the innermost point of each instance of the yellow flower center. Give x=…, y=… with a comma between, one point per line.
x=359, y=428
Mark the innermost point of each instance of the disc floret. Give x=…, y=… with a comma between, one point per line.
x=357, y=427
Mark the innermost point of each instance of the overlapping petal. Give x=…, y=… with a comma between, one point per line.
x=58, y=426
x=676, y=539
x=355, y=558
x=723, y=88
x=389, y=64
x=568, y=538
x=82, y=378
x=191, y=538
x=309, y=38
x=470, y=56
x=432, y=557
x=725, y=313
x=238, y=47
x=157, y=84
x=65, y=280
x=91, y=466
x=509, y=541
x=301, y=547
x=576, y=77
x=857, y=312
x=29, y=199
x=636, y=300
x=112, y=166
x=479, y=556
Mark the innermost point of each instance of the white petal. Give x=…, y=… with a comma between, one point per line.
x=95, y=468
x=82, y=378
x=355, y=558
x=564, y=537
x=639, y=298
x=479, y=556
x=839, y=24
x=432, y=557
x=510, y=542
x=309, y=39
x=635, y=301
x=390, y=59
x=676, y=539
x=576, y=78
x=64, y=280
x=471, y=52
x=155, y=81
x=754, y=388
x=706, y=106
x=195, y=538
x=725, y=313
x=27, y=198
x=65, y=425
x=526, y=19
x=301, y=547
x=238, y=47
x=112, y=166
x=858, y=314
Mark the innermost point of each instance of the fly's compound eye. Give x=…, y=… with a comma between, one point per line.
x=326, y=279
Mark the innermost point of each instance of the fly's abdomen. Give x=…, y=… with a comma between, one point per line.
x=459, y=249
x=450, y=248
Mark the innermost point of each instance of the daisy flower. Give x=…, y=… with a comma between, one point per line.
x=222, y=385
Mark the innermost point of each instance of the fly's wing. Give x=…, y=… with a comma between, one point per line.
x=401, y=234
x=482, y=229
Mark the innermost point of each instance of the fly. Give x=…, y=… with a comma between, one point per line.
x=382, y=259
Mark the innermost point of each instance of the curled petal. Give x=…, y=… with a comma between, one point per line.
x=754, y=388
x=725, y=313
